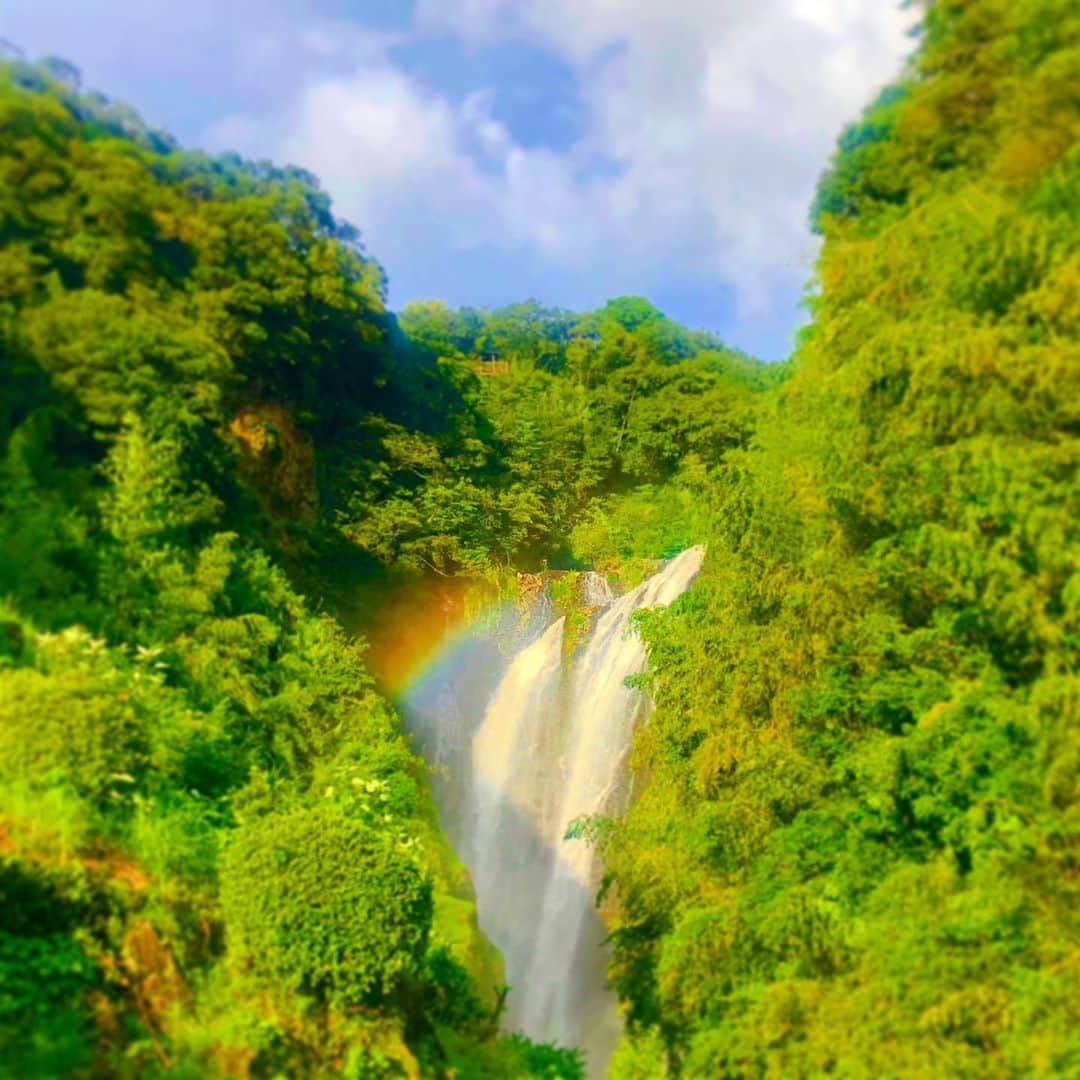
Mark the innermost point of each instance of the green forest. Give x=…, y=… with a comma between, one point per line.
x=854, y=849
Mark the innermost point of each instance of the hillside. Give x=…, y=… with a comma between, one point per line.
x=856, y=852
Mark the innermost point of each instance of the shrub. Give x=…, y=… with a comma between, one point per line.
x=320, y=901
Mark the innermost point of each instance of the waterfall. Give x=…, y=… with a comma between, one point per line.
x=596, y=589
x=504, y=846
x=548, y=746
x=561, y=991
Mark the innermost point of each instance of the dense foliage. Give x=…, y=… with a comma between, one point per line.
x=548, y=410
x=857, y=850
x=217, y=852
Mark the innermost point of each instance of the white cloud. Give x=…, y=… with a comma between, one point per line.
x=720, y=113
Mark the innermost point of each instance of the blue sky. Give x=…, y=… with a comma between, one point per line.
x=493, y=150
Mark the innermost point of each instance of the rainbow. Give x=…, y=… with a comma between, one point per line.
x=419, y=625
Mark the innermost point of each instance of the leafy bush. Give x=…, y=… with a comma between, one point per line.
x=321, y=902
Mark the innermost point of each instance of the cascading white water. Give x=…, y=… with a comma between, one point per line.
x=559, y=991
x=596, y=589
x=550, y=748
x=505, y=799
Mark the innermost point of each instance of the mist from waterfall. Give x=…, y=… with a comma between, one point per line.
x=520, y=746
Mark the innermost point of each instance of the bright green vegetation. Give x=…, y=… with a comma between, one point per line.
x=218, y=855
x=854, y=848
x=857, y=851
x=587, y=404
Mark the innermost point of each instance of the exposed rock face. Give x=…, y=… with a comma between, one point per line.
x=278, y=461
